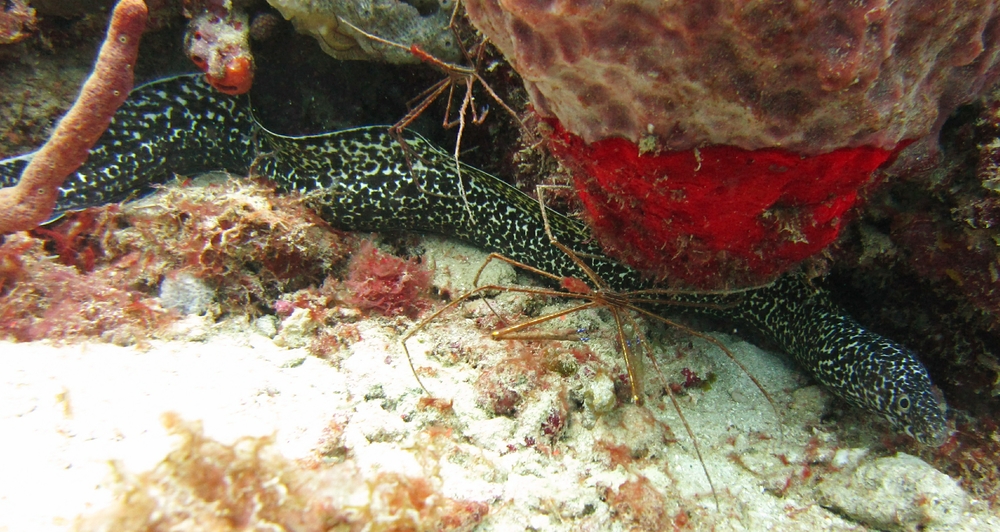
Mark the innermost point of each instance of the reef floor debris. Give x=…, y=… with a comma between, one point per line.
x=516, y=432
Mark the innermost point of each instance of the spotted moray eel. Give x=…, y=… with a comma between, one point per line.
x=359, y=180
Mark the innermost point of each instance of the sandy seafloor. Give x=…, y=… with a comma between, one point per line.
x=66, y=411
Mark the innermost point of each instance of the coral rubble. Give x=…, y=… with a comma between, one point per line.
x=206, y=485
x=921, y=496
x=43, y=299
x=239, y=244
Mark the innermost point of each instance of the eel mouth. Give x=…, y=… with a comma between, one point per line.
x=926, y=421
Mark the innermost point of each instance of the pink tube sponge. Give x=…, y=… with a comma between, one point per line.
x=29, y=203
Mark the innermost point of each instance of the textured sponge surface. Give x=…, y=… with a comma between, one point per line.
x=718, y=216
x=805, y=76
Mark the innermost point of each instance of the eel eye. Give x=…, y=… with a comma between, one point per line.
x=904, y=404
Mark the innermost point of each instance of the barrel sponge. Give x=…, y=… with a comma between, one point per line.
x=719, y=143
x=424, y=24
x=809, y=77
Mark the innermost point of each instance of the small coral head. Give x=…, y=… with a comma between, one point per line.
x=220, y=47
x=717, y=216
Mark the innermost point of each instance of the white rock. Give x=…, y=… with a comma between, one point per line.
x=901, y=492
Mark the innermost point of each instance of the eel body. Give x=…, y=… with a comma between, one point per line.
x=360, y=179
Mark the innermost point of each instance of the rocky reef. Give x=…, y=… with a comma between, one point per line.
x=927, y=244
x=924, y=245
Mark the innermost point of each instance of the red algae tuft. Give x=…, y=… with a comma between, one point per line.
x=640, y=504
x=385, y=284
x=80, y=239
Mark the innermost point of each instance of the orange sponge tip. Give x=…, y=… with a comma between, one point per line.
x=237, y=77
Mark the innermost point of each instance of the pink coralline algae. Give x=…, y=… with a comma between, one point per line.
x=794, y=80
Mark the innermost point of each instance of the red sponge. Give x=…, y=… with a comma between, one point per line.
x=714, y=217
